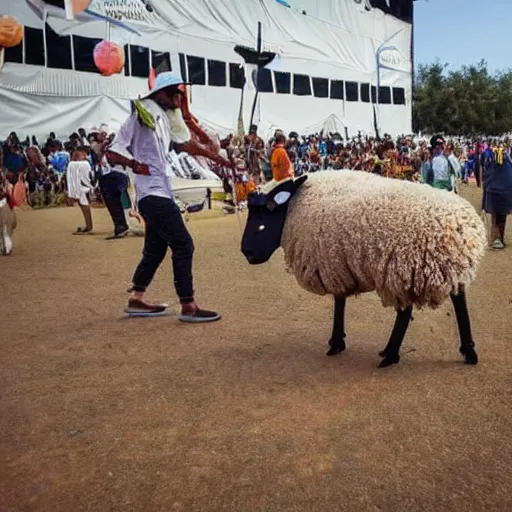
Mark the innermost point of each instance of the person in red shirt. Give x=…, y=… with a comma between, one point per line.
x=282, y=167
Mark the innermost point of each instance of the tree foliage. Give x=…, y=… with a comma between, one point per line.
x=469, y=101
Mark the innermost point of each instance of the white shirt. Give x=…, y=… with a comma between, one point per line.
x=441, y=168
x=151, y=147
x=79, y=180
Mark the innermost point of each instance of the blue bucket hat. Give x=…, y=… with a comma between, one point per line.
x=164, y=80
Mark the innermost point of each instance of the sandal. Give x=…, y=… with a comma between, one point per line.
x=82, y=231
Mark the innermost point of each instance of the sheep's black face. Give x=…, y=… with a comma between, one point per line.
x=267, y=214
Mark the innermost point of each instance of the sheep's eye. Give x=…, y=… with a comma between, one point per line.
x=261, y=228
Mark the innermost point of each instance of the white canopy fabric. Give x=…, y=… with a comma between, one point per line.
x=340, y=40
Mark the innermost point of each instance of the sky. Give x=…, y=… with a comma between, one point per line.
x=464, y=32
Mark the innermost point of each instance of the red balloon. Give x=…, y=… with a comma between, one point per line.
x=151, y=79
x=80, y=5
x=109, y=58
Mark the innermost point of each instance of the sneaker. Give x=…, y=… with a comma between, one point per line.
x=138, y=307
x=498, y=244
x=199, y=316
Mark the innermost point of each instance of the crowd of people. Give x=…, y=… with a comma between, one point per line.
x=405, y=157
x=58, y=173
x=102, y=163
x=43, y=168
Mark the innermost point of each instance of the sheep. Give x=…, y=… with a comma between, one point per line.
x=7, y=225
x=345, y=233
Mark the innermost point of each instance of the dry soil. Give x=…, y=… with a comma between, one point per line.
x=103, y=413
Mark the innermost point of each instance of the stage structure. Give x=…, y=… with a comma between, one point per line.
x=344, y=65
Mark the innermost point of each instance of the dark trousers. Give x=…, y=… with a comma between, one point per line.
x=111, y=190
x=501, y=224
x=477, y=175
x=165, y=228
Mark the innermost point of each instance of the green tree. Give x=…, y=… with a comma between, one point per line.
x=468, y=101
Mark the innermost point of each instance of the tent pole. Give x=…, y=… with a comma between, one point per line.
x=258, y=48
x=68, y=6
x=45, y=44
x=377, y=96
x=253, y=110
x=72, y=53
x=258, y=42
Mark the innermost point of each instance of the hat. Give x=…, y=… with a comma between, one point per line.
x=164, y=80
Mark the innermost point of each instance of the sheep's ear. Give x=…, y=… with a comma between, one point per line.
x=300, y=181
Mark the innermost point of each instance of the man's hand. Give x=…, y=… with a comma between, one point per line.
x=114, y=158
x=117, y=159
x=138, y=168
x=225, y=163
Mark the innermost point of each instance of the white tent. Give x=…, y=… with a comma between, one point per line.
x=325, y=74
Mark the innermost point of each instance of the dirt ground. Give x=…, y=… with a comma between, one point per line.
x=102, y=413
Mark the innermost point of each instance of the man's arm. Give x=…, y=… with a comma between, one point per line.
x=194, y=149
x=119, y=154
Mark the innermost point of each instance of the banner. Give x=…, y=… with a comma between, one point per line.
x=124, y=10
x=390, y=57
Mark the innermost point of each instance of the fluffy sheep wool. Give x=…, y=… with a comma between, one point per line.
x=350, y=232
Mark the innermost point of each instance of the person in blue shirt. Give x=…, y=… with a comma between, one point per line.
x=58, y=159
x=497, y=187
x=322, y=148
x=14, y=159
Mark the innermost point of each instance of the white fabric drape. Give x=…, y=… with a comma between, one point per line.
x=337, y=40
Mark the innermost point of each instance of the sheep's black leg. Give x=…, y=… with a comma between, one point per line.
x=391, y=353
x=467, y=345
x=337, y=341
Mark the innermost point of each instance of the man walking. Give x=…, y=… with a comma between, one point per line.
x=442, y=170
x=113, y=182
x=142, y=145
x=497, y=187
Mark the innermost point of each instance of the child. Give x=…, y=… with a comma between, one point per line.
x=80, y=187
x=7, y=216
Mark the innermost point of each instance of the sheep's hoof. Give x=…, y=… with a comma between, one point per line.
x=388, y=360
x=336, y=347
x=470, y=356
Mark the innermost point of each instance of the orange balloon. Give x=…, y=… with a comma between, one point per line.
x=80, y=5
x=11, y=32
x=108, y=57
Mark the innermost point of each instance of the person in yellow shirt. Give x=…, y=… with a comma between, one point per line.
x=282, y=167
